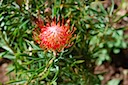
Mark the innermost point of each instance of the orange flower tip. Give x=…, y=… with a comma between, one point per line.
x=39, y=22
x=54, y=36
x=69, y=45
x=68, y=21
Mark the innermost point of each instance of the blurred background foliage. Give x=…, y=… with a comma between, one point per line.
x=96, y=37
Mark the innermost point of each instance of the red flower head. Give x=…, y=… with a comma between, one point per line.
x=54, y=36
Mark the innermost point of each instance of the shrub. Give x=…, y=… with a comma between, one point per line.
x=95, y=37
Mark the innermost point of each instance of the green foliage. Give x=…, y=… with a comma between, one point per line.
x=114, y=81
x=95, y=38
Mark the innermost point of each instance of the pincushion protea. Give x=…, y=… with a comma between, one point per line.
x=54, y=36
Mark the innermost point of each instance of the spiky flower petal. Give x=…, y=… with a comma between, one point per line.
x=54, y=36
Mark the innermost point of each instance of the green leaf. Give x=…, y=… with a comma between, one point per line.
x=112, y=8
x=114, y=82
x=116, y=51
x=16, y=82
x=77, y=62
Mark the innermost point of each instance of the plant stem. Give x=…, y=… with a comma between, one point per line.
x=47, y=66
x=45, y=69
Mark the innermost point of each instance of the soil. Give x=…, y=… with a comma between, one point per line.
x=4, y=62
x=3, y=71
